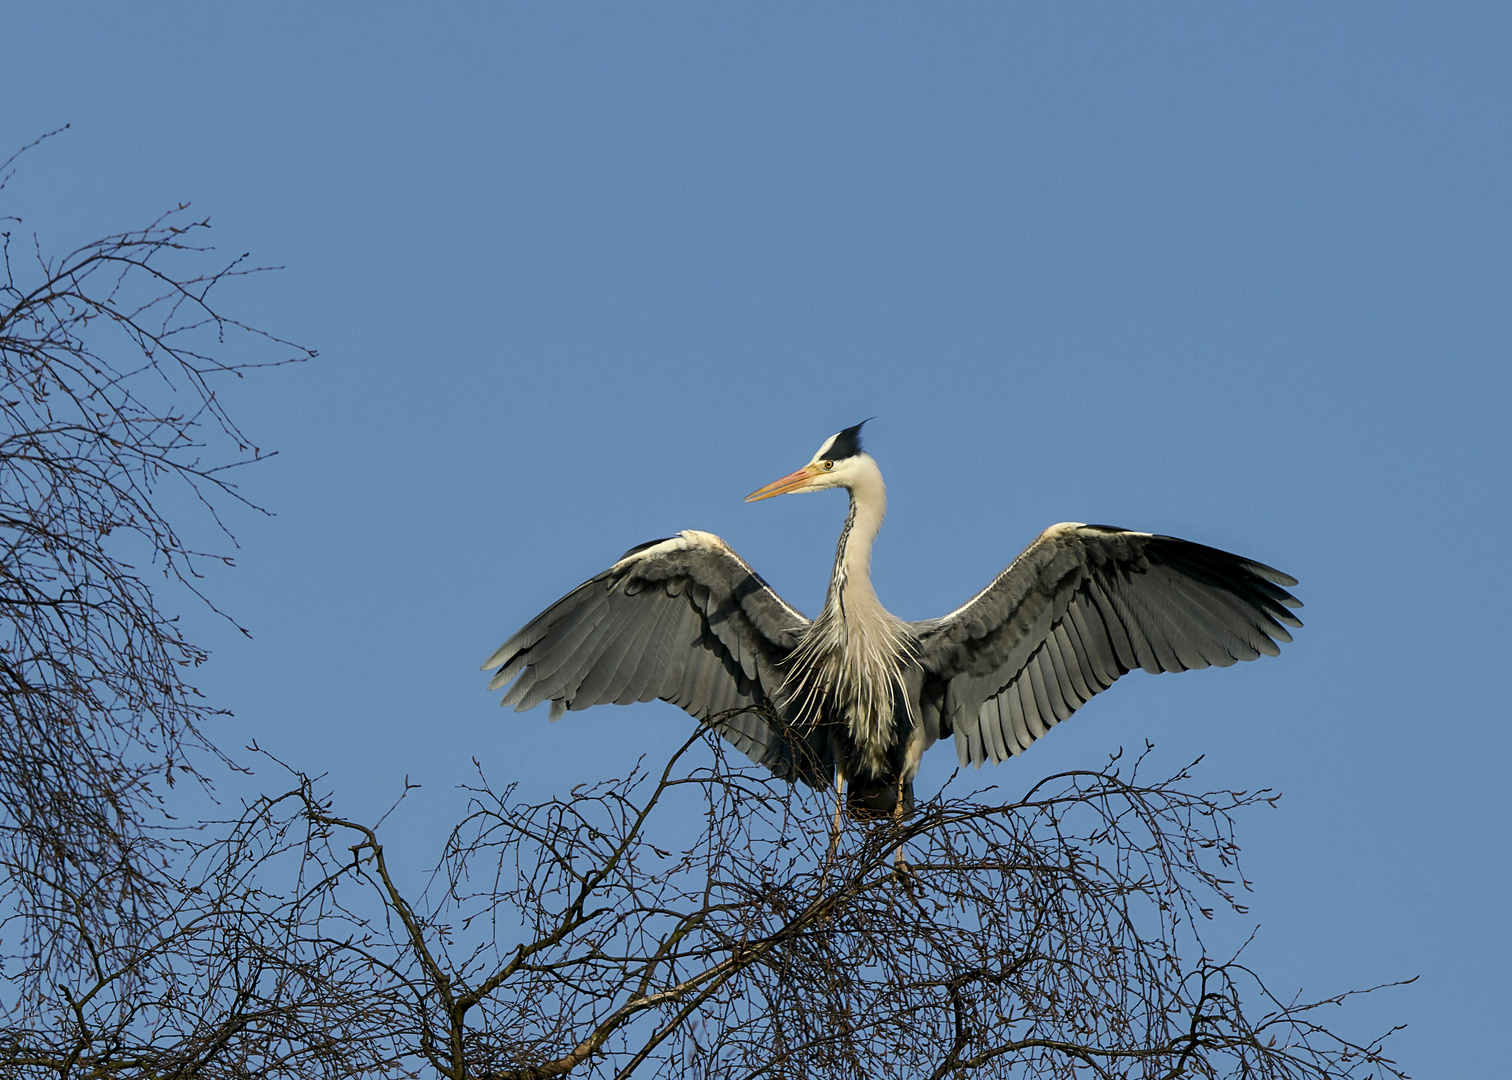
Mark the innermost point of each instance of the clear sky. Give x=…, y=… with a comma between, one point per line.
x=581, y=276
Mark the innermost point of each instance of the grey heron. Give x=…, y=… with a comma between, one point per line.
x=857, y=695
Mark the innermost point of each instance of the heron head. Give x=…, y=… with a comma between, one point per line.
x=836, y=464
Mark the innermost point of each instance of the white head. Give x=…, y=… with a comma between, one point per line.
x=839, y=462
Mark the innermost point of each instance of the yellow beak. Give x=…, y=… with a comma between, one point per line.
x=790, y=482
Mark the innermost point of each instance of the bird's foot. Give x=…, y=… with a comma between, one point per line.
x=903, y=874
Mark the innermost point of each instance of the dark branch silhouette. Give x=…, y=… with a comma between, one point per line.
x=109, y=357
x=694, y=920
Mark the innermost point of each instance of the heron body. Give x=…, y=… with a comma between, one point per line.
x=857, y=695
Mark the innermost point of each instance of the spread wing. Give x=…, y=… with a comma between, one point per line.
x=1081, y=606
x=683, y=619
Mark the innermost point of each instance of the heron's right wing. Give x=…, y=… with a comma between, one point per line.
x=683, y=619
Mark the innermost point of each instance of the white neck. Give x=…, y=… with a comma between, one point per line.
x=850, y=583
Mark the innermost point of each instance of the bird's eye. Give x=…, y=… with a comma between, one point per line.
x=828, y=465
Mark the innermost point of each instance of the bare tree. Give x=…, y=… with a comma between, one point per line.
x=698, y=920
x=249, y=970
x=694, y=919
x=108, y=359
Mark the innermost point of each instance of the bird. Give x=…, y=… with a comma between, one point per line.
x=855, y=696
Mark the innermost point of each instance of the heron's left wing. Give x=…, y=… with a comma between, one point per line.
x=1081, y=606
x=683, y=619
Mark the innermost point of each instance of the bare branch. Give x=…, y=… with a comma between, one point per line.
x=108, y=357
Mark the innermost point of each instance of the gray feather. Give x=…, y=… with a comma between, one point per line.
x=1019, y=697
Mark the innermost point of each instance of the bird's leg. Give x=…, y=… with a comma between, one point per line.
x=900, y=864
x=901, y=870
x=839, y=810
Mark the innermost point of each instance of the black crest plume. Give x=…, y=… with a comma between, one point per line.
x=846, y=444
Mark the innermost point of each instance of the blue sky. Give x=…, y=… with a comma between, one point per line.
x=581, y=276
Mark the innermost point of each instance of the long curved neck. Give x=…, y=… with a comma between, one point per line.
x=850, y=582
